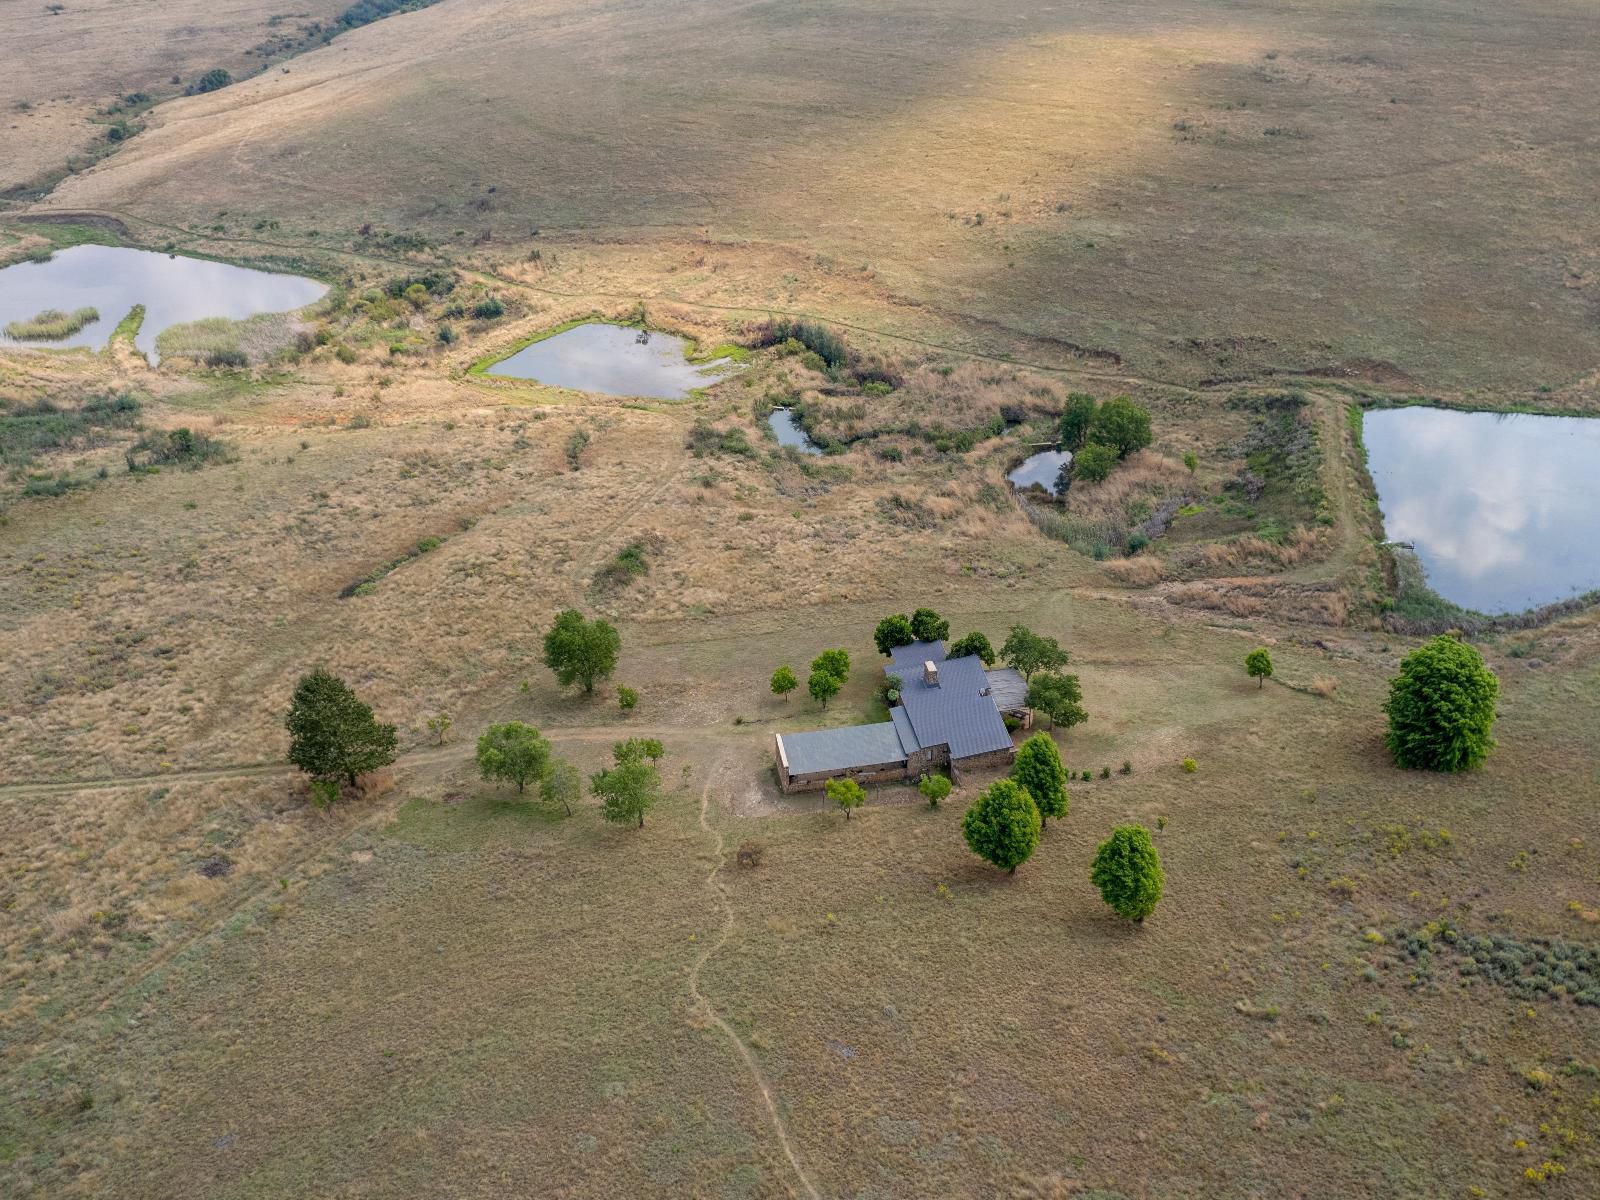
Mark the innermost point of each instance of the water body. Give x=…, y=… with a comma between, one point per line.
x=611, y=359
x=1040, y=470
x=172, y=289
x=783, y=423
x=1501, y=507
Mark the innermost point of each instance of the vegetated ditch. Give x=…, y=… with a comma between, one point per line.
x=368, y=583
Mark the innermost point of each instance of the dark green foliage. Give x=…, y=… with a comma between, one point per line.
x=580, y=651
x=29, y=429
x=1075, y=419
x=364, y=12
x=231, y=359
x=628, y=565
x=369, y=582
x=1258, y=665
x=784, y=682
x=514, y=752
x=819, y=339
x=972, y=643
x=1027, y=652
x=180, y=447
x=576, y=444
x=834, y=662
x=934, y=788
x=1093, y=464
x=332, y=734
x=627, y=698
x=929, y=626
x=823, y=686
x=489, y=308
x=627, y=791
x=1533, y=968
x=447, y=335
x=1039, y=771
x=211, y=81
x=1127, y=870
x=1122, y=425
x=705, y=438
x=846, y=793
x=1002, y=826
x=1441, y=708
x=893, y=631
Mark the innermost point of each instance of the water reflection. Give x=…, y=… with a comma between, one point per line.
x=1499, y=506
x=613, y=360
x=1040, y=470
x=783, y=423
x=173, y=290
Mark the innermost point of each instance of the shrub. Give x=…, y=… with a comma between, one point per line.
x=1093, y=464
x=575, y=448
x=181, y=447
x=846, y=793
x=1258, y=665
x=227, y=357
x=1190, y=766
x=626, y=698
x=749, y=855
x=447, y=335
x=1002, y=825
x=488, y=308
x=211, y=81
x=934, y=788
x=1126, y=768
x=344, y=354
x=1441, y=708
x=1038, y=769
x=1127, y=870
x=1122, y=425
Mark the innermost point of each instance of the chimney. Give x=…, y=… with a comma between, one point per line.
x=930, y=673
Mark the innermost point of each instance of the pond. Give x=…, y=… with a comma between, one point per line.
x=1040, y=470
x=173, y=290
x=612, y=359
x=1500, y=506
x=784, y=424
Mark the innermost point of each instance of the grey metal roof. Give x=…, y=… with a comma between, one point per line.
x=902, y=726
x=842, y=749
x=1007, y=688
x=954, y=713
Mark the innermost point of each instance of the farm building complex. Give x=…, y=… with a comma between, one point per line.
x=952, y=713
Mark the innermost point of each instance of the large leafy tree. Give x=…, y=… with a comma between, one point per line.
x=1127, y=870
x=514, y=752
x=580, y=651
x=972, y=643
x=1258, y=665
x=1058, y=697
x=1122, y=425
x=1441, y=708
x=1002, y=826
x=1038, y=769
x=1075, y=419
x=1028, y=652
x=929, y=626
x=846, y=793
x=891, y=632
x=332, y=734
x=628, y=790
x=834, y=662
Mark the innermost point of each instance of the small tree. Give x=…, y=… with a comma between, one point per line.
x=1122, y=425
x=1441, y=708
x=834, y=662
x=1028, y=652
x=784, y=682
x=929, y=626
x=973, y=643
x=627, y=791
x=934, y=788
x=626, y=698
x=580, y=651
x=1258, y=665
x=893, y=632
x=823, y=687
x=514, y=752
x=1093, y=463
x=1002, y=826
x=439, y=725
x=846, y=793
x=1038, y=769
x=1058, y=697
x=332, y=734
x=1191, y=461
x=1075, y=420
x=561, y=785
x=1127, y=870
x=653, y=750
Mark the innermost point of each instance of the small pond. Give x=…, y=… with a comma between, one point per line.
x=783, y=423
x=612, y=359
x=173, y=290
x=1500, y=506
x=1040, y=469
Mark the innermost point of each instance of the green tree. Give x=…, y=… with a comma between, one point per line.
x=1038, y=769
x=929, y=626
x=835, y=663
x=1441, y=708
x=653, y=750
x=1075, y=420
x=332, y=734
x=626, y=698
x=1191, y=461
x=892, y=632
x=1058, y=697
x=637, y=750
x=973, y=643
x=561, y=785
x=784, y=682
x=846, y=793
x=1028, y=652
x=580, y=651
x=1122, y=425
x=1093, y=463
x=1258, y=665
x=934, y=788
x=627, y=791
x=1002, y=826
x=823, y=687
x=514, y=752
x=1127, y=870
x=439, y=725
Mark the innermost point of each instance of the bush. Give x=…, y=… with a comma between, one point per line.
x=488, y=309
x=972, y=643
x=934, y=788
x=1002, y=826
x=1441, y=708
x=1093, y=463
x=181, y=447
x=1127, y=870
x=1190, y=766
x=627, y=698
x=227, y=357
x=211, y=81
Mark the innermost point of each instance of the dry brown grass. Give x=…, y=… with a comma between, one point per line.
x=1143, y=571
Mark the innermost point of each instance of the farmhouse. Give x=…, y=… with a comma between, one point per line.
x=951, y=714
